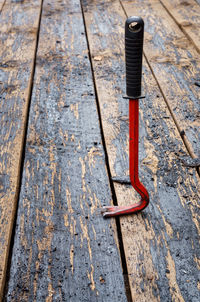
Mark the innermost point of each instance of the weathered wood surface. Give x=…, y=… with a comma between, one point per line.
x=63, y=249
x=198, y=1
x=175, y=64
x=18, y=32
x=1, y=4
x=187, y=15
x=161, y=244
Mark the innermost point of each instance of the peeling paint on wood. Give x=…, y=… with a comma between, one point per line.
x=186, y=13
x=175, y=63
x=162, y=243
x=63, y=247
x=17, y=49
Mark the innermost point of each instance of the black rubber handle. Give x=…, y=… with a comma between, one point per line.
x=134, y=34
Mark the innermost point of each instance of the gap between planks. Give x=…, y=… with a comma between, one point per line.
x=140, y=233
x=79, y=155
x=114, y=197
x=8, y=253
x=190, y=27
x=2, y=3
x=182, y=133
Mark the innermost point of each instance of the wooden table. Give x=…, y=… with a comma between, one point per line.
x=64, y=135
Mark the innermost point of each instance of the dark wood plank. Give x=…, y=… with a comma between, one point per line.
x=18, y=32
x=175, y=63
x=162, y=243
x=64, y=250
x=187, y=15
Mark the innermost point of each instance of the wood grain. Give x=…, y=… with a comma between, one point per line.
x=162, y=243
x=175, y=64
x=187, y=15
x=17, y=50
x=2, y=2
x=64, y=250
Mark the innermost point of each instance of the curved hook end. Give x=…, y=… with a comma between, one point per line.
x=111, y=211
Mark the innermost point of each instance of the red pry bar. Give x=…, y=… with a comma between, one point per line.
x=134, y=29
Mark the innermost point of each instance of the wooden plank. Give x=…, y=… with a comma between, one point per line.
x=162, y=243
x=175, y=63
x=17, y=50
x=2, y=4
x=64, y=250
x=187, y=15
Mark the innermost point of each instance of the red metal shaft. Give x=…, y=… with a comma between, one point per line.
x=133, y=166
x=134, y=154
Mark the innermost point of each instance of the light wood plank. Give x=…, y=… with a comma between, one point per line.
x=162, y=243
x=187, y=14
x=64, y=250
x=175, y=63
x=2, y=4
x=18, y=32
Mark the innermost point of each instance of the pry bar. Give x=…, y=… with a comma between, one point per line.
x=134, y=33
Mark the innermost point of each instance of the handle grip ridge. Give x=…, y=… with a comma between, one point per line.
x=134, y=35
